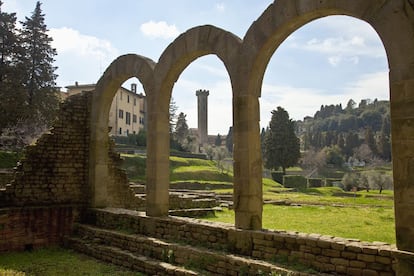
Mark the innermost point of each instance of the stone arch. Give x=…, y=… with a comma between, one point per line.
x=120, y=70
x=393, y=21
x=192, y=44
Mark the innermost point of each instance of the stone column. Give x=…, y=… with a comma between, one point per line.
x=158, y=152
x=248, y=191
x=402, y=124
x=202, y=107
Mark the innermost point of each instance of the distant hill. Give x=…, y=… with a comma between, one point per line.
x=367, y=123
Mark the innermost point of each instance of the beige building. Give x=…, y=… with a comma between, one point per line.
x=127, y=113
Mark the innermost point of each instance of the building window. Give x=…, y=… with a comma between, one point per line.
x=121, y=114
x=135, y=101
x=120, y=131
x=127, y=131
x=141, y=120
x=128, y=98
x=134, y=132
x=134, y=118
x=128, y=118
x=121, y=97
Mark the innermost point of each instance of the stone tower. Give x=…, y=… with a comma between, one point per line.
x=202, y=115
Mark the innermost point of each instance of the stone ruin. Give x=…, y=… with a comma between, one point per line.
x=71, y=173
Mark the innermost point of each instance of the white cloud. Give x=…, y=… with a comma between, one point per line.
x=220, y=7
x=341, y=39
x=374, y=85
x=159, y=29
x=67, y=40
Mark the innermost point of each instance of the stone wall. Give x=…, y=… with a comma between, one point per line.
x=324, y=253
x=55, y=169
x=31, y=228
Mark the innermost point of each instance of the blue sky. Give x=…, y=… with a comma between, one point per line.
x=327, y=61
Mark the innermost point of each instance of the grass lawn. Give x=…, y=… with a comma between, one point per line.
x=367, y=224
x=56, y=261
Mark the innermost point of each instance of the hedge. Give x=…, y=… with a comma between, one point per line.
x=295, y=181
x=277, y=176
x=315, y=182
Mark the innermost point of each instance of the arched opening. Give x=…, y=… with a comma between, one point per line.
x=107, y=182
x=194, y=43
x=128, y=138
x=200, y=160
x=272, y=28
x=331, y=76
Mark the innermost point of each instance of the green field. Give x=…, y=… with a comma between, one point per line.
x=56, y=261
x=365, y=224
x=368, y=216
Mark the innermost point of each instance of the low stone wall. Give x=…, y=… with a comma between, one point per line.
x=6, y=176
x=324, y=253
x=31, y=228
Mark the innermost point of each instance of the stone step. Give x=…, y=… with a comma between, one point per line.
x=125, y=258
x=212, y=261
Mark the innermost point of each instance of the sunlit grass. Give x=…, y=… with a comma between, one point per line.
x=56, y=261
x=366, y=224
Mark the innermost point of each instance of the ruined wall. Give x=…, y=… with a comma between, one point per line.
x=50, y=185
x=55, y=169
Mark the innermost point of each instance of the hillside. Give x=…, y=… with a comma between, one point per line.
x=367, y=123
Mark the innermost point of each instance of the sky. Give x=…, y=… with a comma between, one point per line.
x=327, y=61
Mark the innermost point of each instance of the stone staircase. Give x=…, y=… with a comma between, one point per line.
x=160, y=256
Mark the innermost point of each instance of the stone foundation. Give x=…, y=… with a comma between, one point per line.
x=324, y=253
x=32, y=228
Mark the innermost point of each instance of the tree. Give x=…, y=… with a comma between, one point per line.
x=350, y=180
x=39, y=75
x=217, y=142
x=181, y=128
x=173, y=115
x=11, y=89
x=370, y=140
x=229, y=140
x=379, y=180
x=282, y=148
x=384, y=144
x=334, y=156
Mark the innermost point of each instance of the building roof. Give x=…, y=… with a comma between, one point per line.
x=92, y=86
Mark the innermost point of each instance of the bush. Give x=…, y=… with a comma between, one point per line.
x=8, y=159
x=277, y=176
x=331, y=181
x=315, y=182
x=295, y=181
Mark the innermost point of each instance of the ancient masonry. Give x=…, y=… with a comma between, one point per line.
x=73, y=168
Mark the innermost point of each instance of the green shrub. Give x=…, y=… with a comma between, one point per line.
x=9, y=159
x=331, y=181
x=294, y=181
x=315, y=182
x=277, y=176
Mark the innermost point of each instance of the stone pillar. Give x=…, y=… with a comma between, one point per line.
x=202, y=115
x=402, y=126
x=248, y=190
x=158, y=153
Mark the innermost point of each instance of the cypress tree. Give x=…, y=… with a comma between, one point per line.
x=282, y=147
x=11, y=89
x=39, y=76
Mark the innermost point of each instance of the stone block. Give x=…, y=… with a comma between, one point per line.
x=357, y=264
x=340, y=262
x=368, y=272
x=366, y=258
x=331, y=253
